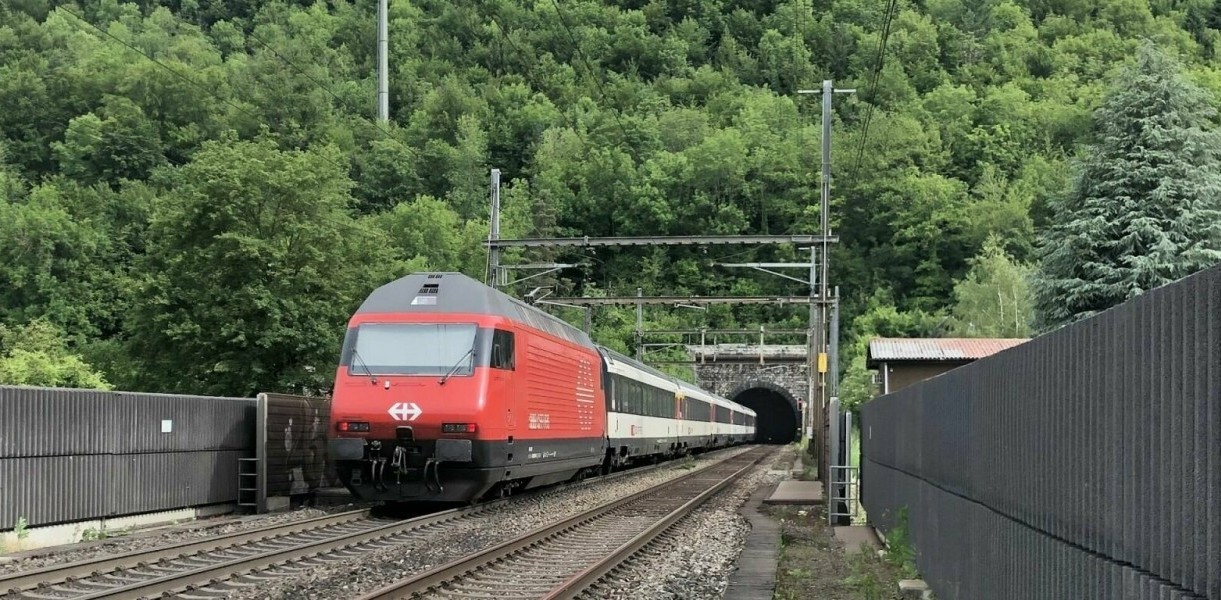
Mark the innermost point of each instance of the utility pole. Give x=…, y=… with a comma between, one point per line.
x=826, y=453
x=839, y=510
x=383, y=61
x=494, y=235
x=827, y=90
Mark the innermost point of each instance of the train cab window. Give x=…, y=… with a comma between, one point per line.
x=502, y=350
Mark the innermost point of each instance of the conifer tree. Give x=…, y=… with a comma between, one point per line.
x=1145, y=206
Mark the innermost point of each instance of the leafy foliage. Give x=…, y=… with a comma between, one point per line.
x=880, y=319
x=197, y=193
x=37, y=354
x=252, y=259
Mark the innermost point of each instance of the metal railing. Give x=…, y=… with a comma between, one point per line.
x=845, y=487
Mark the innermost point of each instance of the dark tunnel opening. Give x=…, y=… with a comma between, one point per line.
x=775, y=415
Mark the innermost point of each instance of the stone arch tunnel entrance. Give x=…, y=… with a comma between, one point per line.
x=777, y=416
x=769, y=379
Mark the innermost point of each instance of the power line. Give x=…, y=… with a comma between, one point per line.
x=877, y=72
x=538, y=85
x=294, y=66
x=309, y=77
x=188, y=80
x=799, y=41
x=353, y=225
x=192, y=82
x=160, y=64
x=535, y=84
x=504, y=34
x=597, y=81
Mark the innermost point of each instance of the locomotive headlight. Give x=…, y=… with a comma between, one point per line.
x=352, y=426
x=459, y=427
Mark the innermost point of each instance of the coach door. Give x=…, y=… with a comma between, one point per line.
x=678, y=414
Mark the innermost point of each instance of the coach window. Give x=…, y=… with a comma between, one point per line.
x=502, y=350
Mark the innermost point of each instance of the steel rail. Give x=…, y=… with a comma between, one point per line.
x=49, y=581
x=581, y=581
x=56, y=574
x=539, y=538
x=202, y=570
x=179, y=582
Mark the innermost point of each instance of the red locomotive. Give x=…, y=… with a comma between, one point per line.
x=448, y=390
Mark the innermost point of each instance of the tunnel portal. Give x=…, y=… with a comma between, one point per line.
x=775, y=410
x=767, y=378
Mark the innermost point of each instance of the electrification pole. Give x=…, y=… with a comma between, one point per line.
x=383, y=61
x=825, y=452
x=494, y=234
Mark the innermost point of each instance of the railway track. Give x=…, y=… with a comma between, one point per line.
x=204, y=569
x=152, y=572
x=562, y=560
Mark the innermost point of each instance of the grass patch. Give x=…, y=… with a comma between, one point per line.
x=900, y=552
x=93, y=534
x=813, y=565
x=685, y=463
x=102, y=533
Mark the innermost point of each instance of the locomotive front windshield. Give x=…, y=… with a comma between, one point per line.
x=412, y=349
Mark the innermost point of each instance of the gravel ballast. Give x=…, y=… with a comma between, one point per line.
x=342, y=579
x=693, y=561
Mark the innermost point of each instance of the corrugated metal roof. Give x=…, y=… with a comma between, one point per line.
x=936, y=349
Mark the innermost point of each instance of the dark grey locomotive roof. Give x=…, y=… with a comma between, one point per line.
x=458, y=293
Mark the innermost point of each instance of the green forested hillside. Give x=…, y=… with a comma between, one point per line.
x=195, y=192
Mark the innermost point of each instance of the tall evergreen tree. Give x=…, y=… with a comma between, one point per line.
x=1145, y=207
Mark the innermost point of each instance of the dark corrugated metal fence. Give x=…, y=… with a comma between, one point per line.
x=292, y=449
x=69, y=455
x=1085, y=463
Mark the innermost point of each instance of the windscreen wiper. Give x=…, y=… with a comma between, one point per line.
x=458, y=364
x=372, y=377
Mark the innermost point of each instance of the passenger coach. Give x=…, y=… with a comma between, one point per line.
x=654, y=415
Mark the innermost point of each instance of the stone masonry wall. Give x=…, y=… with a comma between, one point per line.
x=727, y=379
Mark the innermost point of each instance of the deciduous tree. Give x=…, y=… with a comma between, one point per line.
x=37, y=354
x=253, y=267
x=994, y=299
